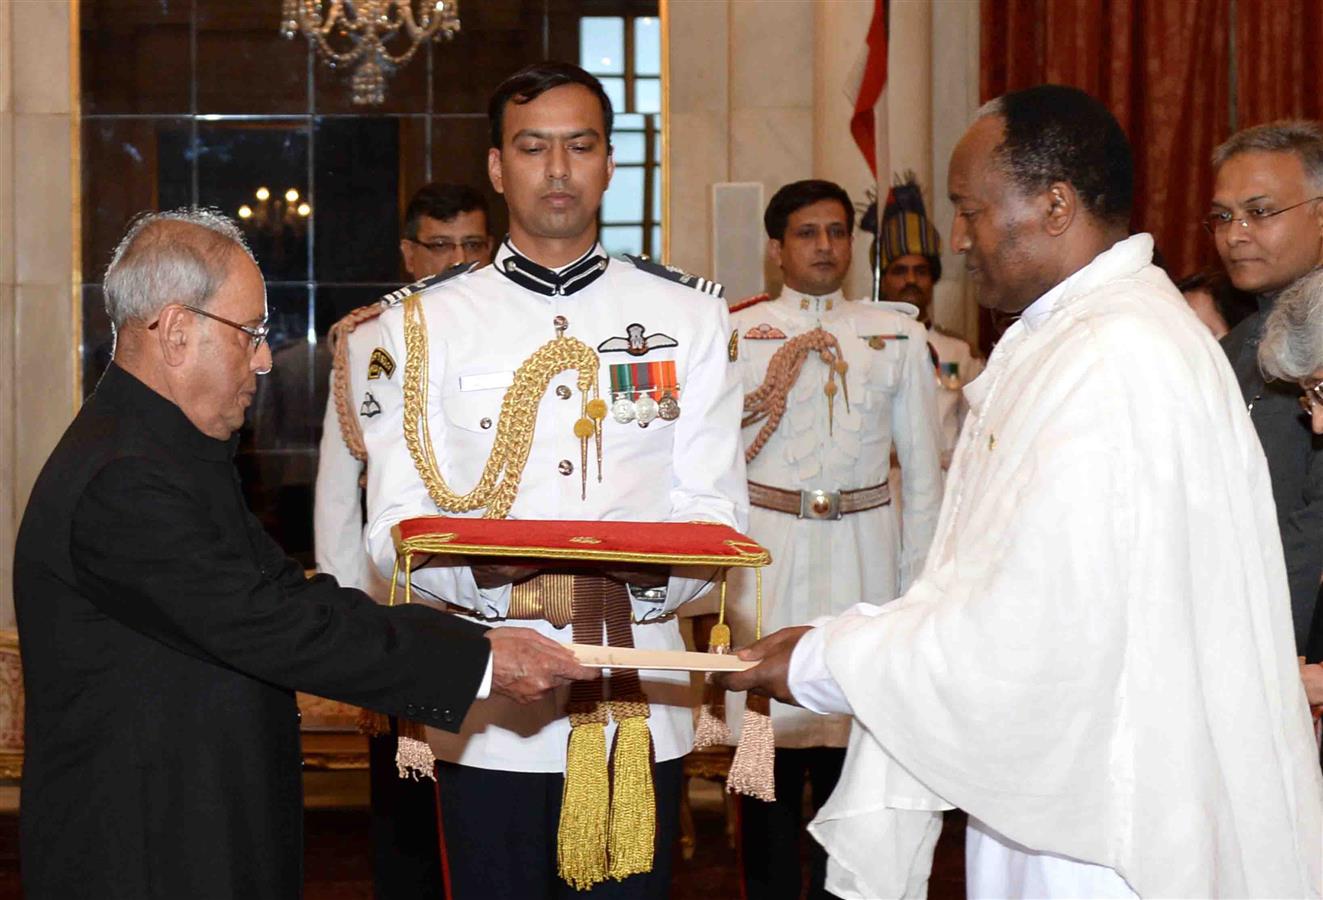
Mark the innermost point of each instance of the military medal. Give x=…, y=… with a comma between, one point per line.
x=645, y=391
x=622, y=410
x=646, y=409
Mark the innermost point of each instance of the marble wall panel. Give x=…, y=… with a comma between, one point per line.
x=42, y=199
x=771, y=50
x=40, y=39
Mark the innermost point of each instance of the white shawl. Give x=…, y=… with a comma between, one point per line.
x=1097, y=660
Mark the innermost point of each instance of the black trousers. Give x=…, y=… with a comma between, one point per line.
x=406, y=853
x=770, y=833
x=500, y=836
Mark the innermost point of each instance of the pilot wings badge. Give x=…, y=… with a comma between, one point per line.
x=635, y=343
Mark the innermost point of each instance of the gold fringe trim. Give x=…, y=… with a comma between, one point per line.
x=751, y=771
x=633, y=828
x=585, y=804
x=413, y=755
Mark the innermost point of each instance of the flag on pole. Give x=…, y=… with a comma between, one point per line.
x=871, y=81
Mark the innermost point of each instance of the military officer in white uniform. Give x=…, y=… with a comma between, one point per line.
x=911, y=264
x=441, y=223
x=670, y=451
x=818, y=484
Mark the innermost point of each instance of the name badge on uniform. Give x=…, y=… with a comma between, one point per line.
x=641, y=392
x=486, y=381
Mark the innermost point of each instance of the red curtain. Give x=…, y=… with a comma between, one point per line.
x=1278, y=64
x=1159, y=65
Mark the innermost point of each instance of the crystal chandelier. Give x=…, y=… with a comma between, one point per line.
x=348, y=32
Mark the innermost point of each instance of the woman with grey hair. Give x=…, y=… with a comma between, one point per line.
x=1291, y=349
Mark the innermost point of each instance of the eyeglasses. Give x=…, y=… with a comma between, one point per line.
x=1216, y=222
x=256, y=333
x=469, y=245
x=1311, y=397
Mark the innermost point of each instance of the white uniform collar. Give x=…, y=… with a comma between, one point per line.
x=1125, y=257
x=793, y=300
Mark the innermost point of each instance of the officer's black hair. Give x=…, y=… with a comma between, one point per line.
x=1058, y=133
x=532, y=82
x=442, y=202
x=799, y=194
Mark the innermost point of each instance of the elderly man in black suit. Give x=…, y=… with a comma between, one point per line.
x=164, y=632
x=1267, y=222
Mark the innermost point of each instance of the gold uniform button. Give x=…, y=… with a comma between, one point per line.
x=563, y=391
x=485, y=423
x=565, y=467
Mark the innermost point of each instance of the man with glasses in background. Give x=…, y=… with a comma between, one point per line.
x=1267, y=223
x=445, y=226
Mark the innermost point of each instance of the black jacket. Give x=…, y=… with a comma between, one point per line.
x=163, y=634
x=1295, y=466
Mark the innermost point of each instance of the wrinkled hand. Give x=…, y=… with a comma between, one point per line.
x=493, y=575
x=526, y=665
x=772, y=674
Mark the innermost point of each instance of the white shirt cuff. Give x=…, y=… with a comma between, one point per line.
x=810, y=680
x=485, y=689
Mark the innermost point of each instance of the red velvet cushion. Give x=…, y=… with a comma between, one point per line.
x=672, y=543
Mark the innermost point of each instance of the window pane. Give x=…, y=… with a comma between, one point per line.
x=628, y=146
x=134, y=58
x=236, y=161
x=619, y=239
x=356, y=171
x=130, y=165
x=647, y=46
x=657, y=243
x=628, y=121
x=615, y=89
x=623, y=201
x=602, y=45
x=98, y=339
x=647, y=95
x=656, y=194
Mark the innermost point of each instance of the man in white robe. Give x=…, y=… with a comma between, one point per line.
x=1097, y=662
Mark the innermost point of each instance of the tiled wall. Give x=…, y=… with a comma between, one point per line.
x=37, y=263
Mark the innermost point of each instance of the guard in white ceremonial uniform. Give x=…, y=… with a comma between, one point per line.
x=670, y=451
x=441, y=226
x=911, y=264
x=818, y=486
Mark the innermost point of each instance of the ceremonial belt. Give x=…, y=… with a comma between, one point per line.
x=816, y=504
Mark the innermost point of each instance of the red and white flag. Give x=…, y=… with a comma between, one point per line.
x=868, y=124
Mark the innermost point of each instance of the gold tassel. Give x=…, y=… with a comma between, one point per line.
x=633, y=828
x=413, y=755
x=372, y=723
x=712, y=729
x=751, y=771
x=585, y=803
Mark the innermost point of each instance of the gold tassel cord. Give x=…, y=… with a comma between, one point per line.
x=768, y=400
x=633, y=824
x=711, y=729
x=499, y=481
x=581, y=838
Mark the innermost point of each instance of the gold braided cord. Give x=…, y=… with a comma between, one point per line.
x=499, y=482
x=768, y=400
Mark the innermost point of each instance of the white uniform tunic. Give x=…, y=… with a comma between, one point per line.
x=952, y=407
x=1097, y=662
x=337, y=517
x=822, y=567
x=481, y=327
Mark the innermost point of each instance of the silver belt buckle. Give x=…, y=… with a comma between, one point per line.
x=819, y=504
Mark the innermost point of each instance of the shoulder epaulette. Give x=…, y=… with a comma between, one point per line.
x=750, y=301
x=422, y=284
x=671, y=273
